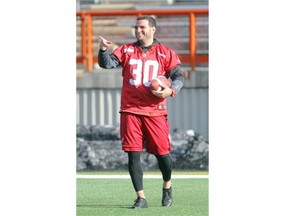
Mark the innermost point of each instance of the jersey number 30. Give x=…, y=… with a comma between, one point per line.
x=150, y=71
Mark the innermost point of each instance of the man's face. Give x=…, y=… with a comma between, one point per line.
x=143, y=31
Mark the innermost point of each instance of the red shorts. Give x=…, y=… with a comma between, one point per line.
x=139, y=132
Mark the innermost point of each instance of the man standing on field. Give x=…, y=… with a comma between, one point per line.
x=144, y=122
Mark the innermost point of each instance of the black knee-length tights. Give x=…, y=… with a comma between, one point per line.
x=136, y=170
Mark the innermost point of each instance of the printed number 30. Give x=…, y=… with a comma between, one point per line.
x=150, y=71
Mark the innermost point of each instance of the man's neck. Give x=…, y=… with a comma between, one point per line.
x=147, y=43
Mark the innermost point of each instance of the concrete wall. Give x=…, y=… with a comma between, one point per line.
x=99, y=93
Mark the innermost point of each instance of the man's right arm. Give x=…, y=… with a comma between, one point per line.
x=106, y=60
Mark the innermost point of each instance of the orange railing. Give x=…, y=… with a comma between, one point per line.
x=88, y=58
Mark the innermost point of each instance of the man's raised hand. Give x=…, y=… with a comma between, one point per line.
x=104, y=44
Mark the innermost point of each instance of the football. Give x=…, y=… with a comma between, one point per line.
x=157, y=82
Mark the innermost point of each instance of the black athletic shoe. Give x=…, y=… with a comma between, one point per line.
x=140, y=203
x=167, y=197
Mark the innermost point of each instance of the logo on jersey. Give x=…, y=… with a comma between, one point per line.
x=161, y=54
x=128, y=50
x=161, y=107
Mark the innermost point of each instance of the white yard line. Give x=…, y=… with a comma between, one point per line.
x=145, y=176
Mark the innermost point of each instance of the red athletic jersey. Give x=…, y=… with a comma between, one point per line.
x=139, y=68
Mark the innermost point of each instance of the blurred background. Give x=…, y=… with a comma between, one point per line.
x=183, y=26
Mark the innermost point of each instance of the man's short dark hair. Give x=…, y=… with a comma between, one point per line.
x=151, y=20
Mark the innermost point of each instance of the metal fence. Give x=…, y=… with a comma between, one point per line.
x=189, y=110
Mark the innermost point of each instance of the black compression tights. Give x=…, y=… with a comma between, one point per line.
x=165, y=166
x=136, y=169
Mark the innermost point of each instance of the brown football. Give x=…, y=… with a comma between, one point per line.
x=159, y=81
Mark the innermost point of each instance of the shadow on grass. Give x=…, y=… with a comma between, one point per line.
x=104, y=206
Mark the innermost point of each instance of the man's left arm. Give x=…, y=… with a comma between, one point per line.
x=177, y=77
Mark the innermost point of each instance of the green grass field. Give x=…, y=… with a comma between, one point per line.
x=116, y=196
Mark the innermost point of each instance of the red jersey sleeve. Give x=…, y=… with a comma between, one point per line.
x=124, y=52
x=172, y=60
